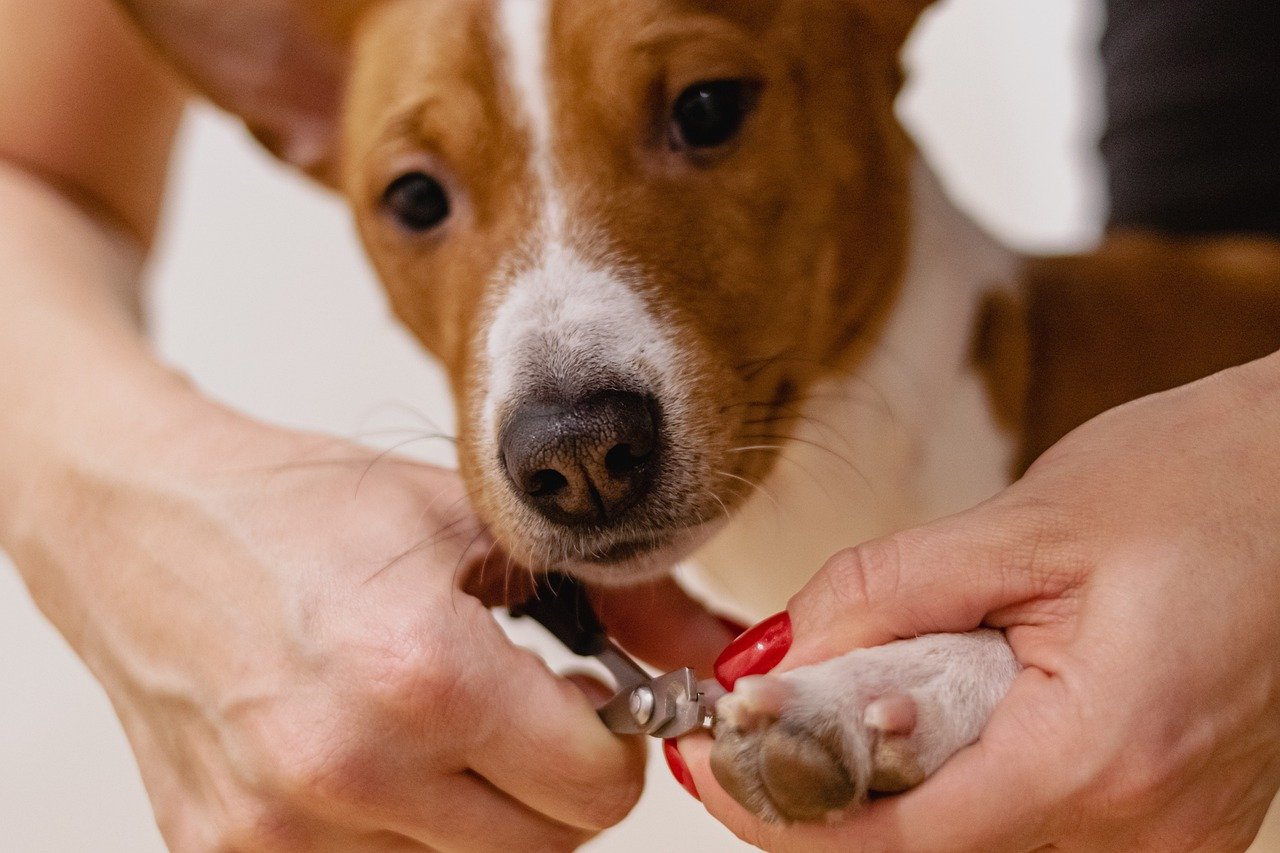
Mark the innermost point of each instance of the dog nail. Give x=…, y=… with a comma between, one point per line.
x=680, y=770
x=755, y=703
x=894, y=714
x=756, y=651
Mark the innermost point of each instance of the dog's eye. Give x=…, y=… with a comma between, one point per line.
x=417, y=201
x=709, y=114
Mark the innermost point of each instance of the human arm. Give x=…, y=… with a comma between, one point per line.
x=221, y=577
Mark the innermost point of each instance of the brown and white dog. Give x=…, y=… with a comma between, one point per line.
x=699, y=297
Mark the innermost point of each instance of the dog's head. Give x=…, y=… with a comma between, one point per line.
x=633, y=231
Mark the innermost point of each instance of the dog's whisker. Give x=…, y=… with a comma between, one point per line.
x=728, y=517
x=808, y=442
x=781, y=455
x=457, y=568
x=383, y=455
x=375, y=433
x=730, y=475
x=405, y=409
x=480, y=579
x=440, y=535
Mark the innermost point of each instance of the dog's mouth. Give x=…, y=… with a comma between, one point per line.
x=636, y=558
x=623, y=551
x=637, y=522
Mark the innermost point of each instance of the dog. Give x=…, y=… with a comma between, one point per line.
x=699, y=297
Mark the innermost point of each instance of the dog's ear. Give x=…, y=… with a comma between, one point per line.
x=280, y=65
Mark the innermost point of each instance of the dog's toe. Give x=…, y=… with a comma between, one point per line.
x=803, y=777
x=806, y=744
x=775, y=759
x=895, y=762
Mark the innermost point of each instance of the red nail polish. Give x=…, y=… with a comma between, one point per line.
x=756, y=652
x=733, y=627
x=680, y=770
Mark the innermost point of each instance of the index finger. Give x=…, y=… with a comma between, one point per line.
x=546, y=747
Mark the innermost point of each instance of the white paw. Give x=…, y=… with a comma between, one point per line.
x=804, y=745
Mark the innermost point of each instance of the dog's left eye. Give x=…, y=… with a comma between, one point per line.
x=710, y=114
x=417, y=201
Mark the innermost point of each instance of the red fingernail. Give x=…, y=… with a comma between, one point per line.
x=756, y=652
x=735, y=628
x=680, y=770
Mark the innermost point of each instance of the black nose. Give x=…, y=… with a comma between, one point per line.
x=582, y=462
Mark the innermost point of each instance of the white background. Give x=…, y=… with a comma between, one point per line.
x=262, y=295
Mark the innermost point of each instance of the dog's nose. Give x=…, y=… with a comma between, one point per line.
x=582, y=462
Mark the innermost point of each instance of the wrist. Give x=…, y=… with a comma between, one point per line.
x=124, y=467
x=119, y=423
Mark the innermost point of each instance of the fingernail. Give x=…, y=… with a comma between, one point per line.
x=680, y=770
x=735, y=628
x=756, y=651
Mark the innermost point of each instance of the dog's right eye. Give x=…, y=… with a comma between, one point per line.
x=709, y=114
x=417, y=201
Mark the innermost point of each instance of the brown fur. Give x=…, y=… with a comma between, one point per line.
x=1143, y=313
x=775, y=262
x=1001, y=352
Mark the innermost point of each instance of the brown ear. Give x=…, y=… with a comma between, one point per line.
x=279, y=64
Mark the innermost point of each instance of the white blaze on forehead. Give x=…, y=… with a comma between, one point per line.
x=563, y=317
x=525, y=29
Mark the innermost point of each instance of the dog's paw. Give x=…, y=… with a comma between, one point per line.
x=804, y=745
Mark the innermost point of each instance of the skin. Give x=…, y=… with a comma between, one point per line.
x=1136, y=570
x=298, y=702
x=276, y=619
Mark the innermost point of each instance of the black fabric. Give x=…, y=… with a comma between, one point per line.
x=1192, y=142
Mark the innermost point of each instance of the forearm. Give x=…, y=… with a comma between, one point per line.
x=80, y=390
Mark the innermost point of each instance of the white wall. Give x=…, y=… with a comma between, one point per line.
x=262, y=295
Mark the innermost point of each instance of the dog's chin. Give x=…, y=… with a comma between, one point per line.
x=626, y=562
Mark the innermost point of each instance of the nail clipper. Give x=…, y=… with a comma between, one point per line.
x=664, y=706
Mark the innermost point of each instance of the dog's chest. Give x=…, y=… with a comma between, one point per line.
x=909, y=436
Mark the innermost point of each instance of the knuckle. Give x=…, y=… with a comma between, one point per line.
x=1039, y=539
x=1133, y=790
x=326, y=771
x=1127, y=790
x=858, y=576
x=409, y=674
x=261, y=826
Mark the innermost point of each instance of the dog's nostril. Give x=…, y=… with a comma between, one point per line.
x=623, y=459
x=545, y=483
x=586, y=460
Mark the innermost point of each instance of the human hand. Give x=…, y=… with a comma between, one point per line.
x=277, y=621
x=1136, y=572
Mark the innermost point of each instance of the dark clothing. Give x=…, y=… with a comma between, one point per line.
x=1192, y=142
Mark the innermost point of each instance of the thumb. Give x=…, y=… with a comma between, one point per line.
x=950, y=575
x=663, y=625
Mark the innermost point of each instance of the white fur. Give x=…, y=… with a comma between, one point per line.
x=569, y=314
x=569, y=311
x=950, y=684
x=909, y=437
x=525, y=31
